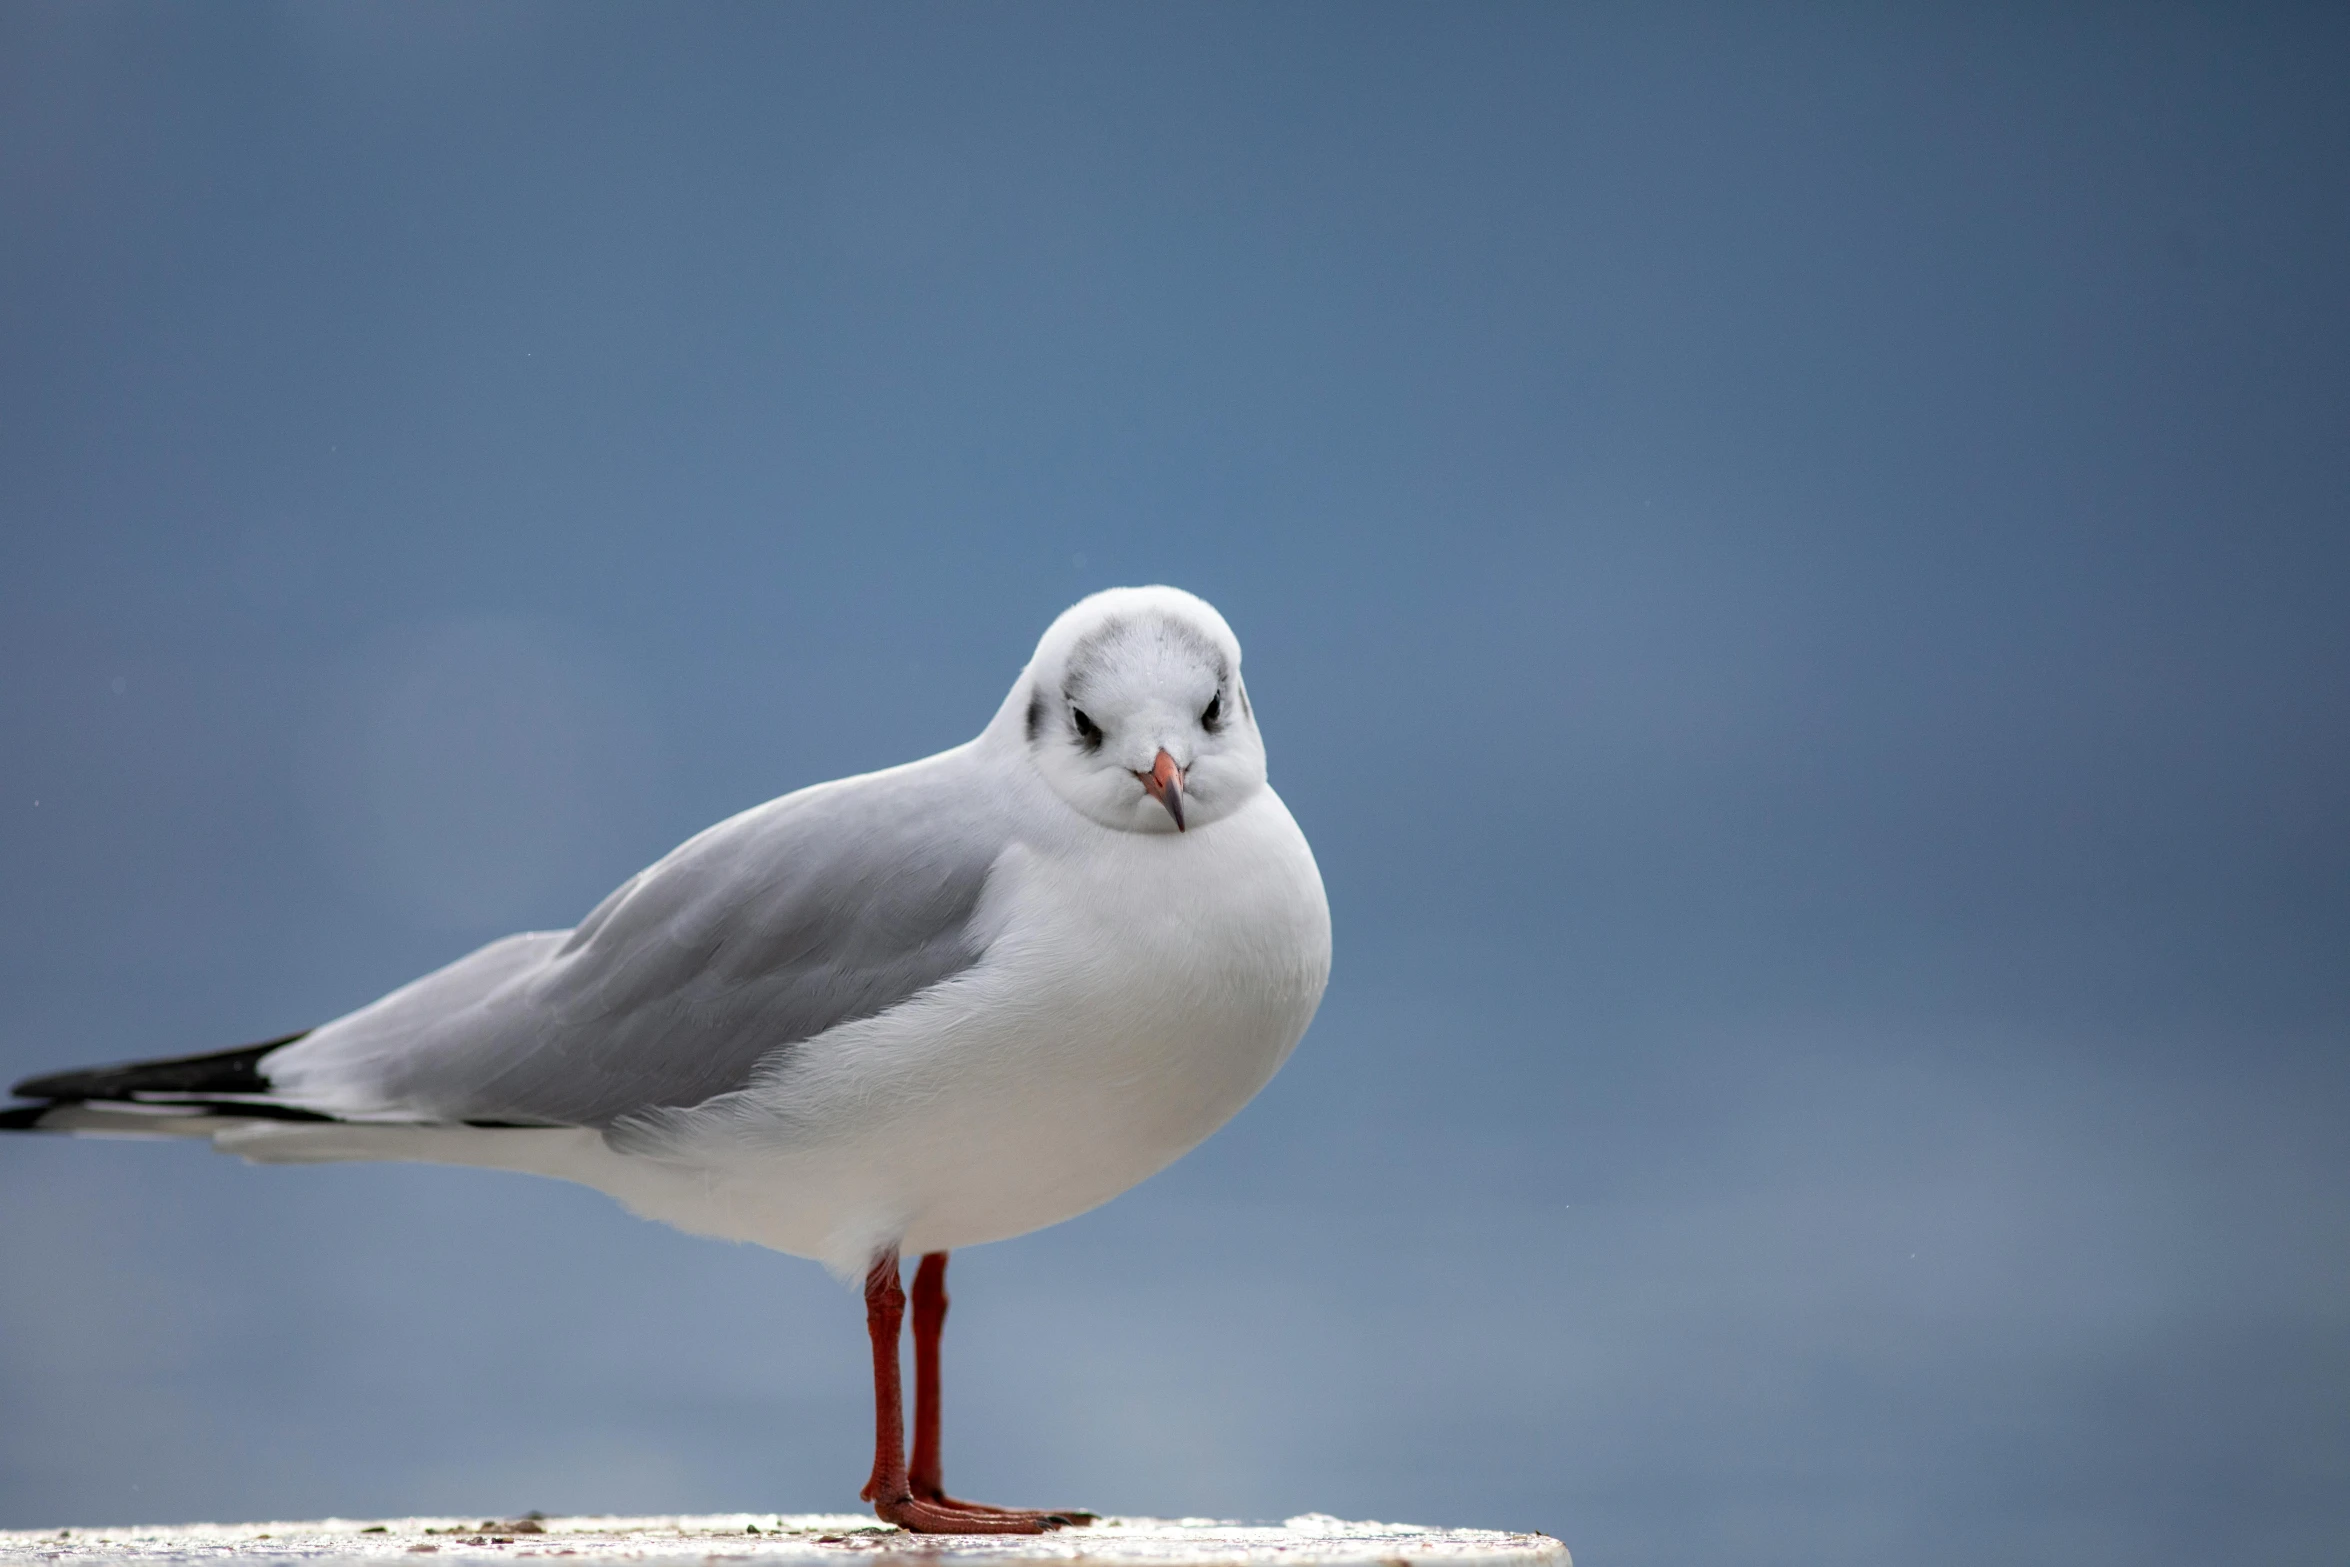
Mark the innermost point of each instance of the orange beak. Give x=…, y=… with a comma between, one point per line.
x=1164, y=782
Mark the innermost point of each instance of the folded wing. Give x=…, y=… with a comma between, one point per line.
x=825, y=906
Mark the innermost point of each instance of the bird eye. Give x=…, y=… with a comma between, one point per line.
x=1087, y=729
x=1213, y=713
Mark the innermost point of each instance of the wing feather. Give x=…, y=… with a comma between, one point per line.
x=824, y=906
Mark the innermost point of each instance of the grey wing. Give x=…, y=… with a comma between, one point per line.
x=813, y=910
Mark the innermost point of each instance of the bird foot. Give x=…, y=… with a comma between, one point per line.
x=946, y=1515
x=1067, y=1515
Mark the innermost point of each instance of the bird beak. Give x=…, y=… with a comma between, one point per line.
x=1165, y=784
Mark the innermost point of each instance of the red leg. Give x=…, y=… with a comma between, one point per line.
x=930, y=1316
x=922, y=1472
x=885, y=1308
x=892, y=1498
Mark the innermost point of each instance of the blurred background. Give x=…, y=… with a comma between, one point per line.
x=1794, y=569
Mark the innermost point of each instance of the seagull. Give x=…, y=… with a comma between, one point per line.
x=946, y=1003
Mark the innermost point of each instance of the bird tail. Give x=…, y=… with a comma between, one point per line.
x=226, y=1098
x=173, y=1095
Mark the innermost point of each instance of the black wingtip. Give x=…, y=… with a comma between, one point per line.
x=218, y=1072
x=23, y=1118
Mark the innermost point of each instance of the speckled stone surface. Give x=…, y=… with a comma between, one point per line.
x=1311, y=1541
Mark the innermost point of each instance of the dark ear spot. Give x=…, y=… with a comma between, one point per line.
x=1035, y=716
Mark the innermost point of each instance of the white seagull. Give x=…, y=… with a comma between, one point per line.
x=923, y=1008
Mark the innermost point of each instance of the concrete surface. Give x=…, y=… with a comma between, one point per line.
x=1310, y=1541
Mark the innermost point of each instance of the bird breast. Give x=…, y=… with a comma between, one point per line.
x=1134, y=993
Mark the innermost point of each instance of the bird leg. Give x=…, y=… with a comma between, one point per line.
x=930, y=1316
x=922, y=1470
x=888, y=1490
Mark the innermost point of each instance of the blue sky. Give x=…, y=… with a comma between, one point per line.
x=1792, y=564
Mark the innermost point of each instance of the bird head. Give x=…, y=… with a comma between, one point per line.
x=1133, y=711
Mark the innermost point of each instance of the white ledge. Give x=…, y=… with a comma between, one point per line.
x=835, y=1539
